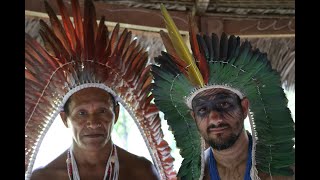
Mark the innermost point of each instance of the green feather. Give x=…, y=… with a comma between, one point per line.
x=169, y=94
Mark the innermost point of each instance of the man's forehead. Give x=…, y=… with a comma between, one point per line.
x=213, y=92
x=91, y=94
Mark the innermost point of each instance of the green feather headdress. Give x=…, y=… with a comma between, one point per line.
x=223, y=63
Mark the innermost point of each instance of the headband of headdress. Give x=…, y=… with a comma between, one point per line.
x=84, y=55
x=179, y=76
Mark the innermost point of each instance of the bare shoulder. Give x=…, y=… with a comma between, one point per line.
x=39, y=173
x=138, y=167
x=56, y=169
x=46, y=173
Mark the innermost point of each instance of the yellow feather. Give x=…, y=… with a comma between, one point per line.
x=181, y=48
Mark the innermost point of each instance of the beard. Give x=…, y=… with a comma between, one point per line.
x=220, y=144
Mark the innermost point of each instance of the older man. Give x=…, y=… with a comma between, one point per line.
x=90, y=114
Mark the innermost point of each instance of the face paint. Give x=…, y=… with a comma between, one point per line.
x=219, y=117
x=224, y=104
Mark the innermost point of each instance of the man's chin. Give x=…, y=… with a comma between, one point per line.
x=221, y=143
x=94, y=144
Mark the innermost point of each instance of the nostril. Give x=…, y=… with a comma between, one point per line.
x=91, y=124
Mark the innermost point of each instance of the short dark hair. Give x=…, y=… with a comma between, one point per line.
x=66, y=105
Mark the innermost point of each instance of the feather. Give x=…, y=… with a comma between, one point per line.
x=215, y=46
x=231, y=46
x=208, y=42
x=101, y=40
x=134, y=63
x=200, y=59
x=223, y=47
x=29, y=75
x=140, y=66
x=38, y=48
x=167, y=43
x=132, y=58
x=166, y=63
x=57, y=28
x=89, y=24
x=77, y=19
x=129, y=51
x=33, y=56
x=144, y=75
x=51, y=40
x=124, y=37
x=113, y=39
x=70, y=32
x=182, y=49
x=170, y=49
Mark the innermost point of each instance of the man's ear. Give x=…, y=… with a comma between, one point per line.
x=116, y=112
x=63, y=116
x=245, y=106
x=192, y=114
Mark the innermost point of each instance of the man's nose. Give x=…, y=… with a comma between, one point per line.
x=215, y=117
x=93, y=122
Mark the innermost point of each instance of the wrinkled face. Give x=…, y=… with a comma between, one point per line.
x=91, y=115
x=219, y=115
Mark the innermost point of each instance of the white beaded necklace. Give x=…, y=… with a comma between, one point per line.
x=112, y=168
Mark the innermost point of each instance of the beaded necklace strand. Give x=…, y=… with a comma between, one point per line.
x=112, y=167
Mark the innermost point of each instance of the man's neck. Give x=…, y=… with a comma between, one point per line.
x=235, y=155
x=92, y=158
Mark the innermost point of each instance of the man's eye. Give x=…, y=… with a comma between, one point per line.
x=224, y=105
x=82, y=113
x=103, y=110
x=202, y=110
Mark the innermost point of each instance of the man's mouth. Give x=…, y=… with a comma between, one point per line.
x=217, y=130
x=94, y=135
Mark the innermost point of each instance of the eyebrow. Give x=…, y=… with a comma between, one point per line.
x=216, y=96
x=216, y=99
x=86, y=105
